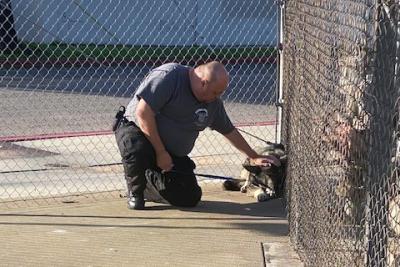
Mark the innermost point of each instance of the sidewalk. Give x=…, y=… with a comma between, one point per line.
x=81, y=164
x=226, y=229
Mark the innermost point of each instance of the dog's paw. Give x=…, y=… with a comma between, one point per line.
x=260, y=195
x=263, y=195
x=243, y=189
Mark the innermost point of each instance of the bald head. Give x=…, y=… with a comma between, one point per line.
x=215, y=73
x=209, y=81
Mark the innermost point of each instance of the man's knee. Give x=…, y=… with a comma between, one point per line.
x=196, y=197
x=189, y=199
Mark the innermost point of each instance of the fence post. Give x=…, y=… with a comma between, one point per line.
x=279, y=95
x=381, y=102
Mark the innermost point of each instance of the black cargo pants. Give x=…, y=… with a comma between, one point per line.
x=179, y=187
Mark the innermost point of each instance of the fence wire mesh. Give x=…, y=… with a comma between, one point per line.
x=67, y=66
x=341, y=127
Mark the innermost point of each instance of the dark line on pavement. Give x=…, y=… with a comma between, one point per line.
x=263, y=255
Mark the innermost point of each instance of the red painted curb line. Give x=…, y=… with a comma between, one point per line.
x=94, y=133
x=51, y=136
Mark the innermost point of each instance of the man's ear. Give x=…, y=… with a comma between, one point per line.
x=204, y=83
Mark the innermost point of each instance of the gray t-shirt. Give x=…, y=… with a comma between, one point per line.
x=179, y=115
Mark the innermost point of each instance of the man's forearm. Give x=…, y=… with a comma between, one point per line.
x=147, y=123
x=240, y=143
x=149, y=128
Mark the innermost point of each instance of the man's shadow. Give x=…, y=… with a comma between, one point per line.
x=267, y=217
x=273, y=208
x=264, y=217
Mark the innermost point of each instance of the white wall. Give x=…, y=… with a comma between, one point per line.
x=151, y=22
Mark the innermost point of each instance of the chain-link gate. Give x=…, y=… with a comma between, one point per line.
x=67, y=66
x=341, y=119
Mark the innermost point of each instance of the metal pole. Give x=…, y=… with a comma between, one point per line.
x=279, y=101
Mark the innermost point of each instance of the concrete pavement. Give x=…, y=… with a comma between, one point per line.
x=82, y=164
x=40, y=227
x=226, y=229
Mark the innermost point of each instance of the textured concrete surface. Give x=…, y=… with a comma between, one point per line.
x=226, y=229
x=82, y=164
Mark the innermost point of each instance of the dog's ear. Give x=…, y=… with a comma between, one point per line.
x=274, y=146
x=280, y=147
x=283, y=160
x=252, y=169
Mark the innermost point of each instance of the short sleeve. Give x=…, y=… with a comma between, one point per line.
x=222, y=123
x=157, y=88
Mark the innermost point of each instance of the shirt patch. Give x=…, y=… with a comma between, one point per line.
x=201, y=117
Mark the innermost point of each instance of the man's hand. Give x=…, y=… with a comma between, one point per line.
x=265, y=161
x=164, y=161
x=257, y=160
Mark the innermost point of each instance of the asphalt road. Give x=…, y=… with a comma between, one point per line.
x=39, y=101
x=250, y=83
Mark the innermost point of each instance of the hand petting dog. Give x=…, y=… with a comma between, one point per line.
x=265, y=161
x=263, y=174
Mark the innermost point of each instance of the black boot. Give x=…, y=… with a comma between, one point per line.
x=135, y=201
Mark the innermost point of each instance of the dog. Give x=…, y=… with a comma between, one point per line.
x=262, y=183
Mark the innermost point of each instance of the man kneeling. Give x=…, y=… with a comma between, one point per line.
x=170, y=107
x=145, y=180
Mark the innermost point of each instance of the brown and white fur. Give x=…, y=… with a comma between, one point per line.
x=262, y=183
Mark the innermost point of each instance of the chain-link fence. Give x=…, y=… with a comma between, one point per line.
x=341, y=127
x=67, y=66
